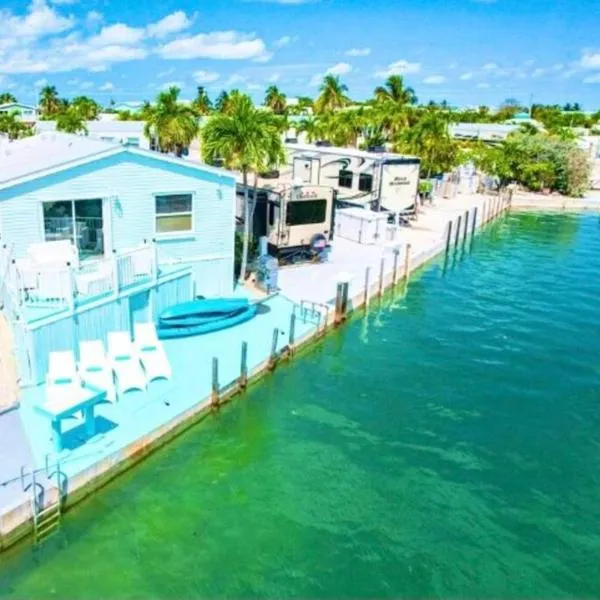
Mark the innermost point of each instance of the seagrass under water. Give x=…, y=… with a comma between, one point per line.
x=445, y=445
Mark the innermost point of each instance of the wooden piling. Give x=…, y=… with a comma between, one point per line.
x=292, y=336
x=395, y=273
x=381, y=274
x=273, y=356
x=367, y=273
x=466, y=229
x=407, y=262
x=243, y=379
x=341, y=302
x=449, y=236
x=214, y=395
x=474, y=223
x=458, y=222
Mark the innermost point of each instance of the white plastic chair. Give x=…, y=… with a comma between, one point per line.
x=62, y=379
x=95, y=369
x=151, y=352
x=125, y=362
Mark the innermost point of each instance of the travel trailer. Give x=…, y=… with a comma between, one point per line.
x=296, y=219
x=379, y=180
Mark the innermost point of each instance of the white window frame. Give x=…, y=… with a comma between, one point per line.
x=175, y=234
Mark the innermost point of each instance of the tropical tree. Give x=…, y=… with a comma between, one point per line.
x=245, y=139
x=222, y=101
x=88, y=109
x=430, y=140
x=50, y=103
x=7, y=98
x=172, y=124
x=332, y=95
x=312, y=127
x=12, y=126
x=275, y=100
x=396, y=92
x=202, y=104
x=71, y=121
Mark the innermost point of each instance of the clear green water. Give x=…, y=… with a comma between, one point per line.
x=447, y=445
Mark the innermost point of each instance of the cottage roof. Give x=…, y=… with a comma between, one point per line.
x=46, y=153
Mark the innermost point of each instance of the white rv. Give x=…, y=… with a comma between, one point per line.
x=380, y=180
x=296, y=219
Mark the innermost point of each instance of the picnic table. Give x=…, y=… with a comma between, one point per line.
x=75, y=400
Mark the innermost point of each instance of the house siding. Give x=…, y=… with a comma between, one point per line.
x=129, y=183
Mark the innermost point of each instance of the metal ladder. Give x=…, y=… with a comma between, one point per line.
x=46, y=519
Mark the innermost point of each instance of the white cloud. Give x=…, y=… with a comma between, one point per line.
x=166, y=72
x=40, y=83
x=316, y=80
x=222, y=45
x=253, y=86
x=41, y=20
x=235, y=79
x=483, y=85
x=107, y=87
x=173, y=23
x=61, y=2
x=466, y=76
x=400, y=67
x=529, y=63
x=340, y=69
x=86, y=85
x=539, y=72
x=358, y=52
x=590, y=60
x=285, y=41
x=120, y=34
x=274, y=78
x=434, y=80
x=205, y=76
x=93, y=17
x=490, y=66
x=592, y=78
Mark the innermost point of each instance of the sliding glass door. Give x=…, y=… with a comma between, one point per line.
x=79, y=221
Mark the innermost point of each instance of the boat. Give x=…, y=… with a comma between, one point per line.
x=204, y=316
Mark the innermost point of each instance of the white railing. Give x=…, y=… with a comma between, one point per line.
x=33, y=282
x=136, y=265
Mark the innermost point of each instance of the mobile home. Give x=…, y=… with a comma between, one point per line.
x=97, y=236
x=380, y=180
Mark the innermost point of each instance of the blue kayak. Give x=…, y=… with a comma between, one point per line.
x=198, y=325
x=201, y=310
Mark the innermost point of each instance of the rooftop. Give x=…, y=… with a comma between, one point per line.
x=314, y=150
x=103, y=126
x=35, y=156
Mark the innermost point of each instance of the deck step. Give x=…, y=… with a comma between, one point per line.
x=46, y=522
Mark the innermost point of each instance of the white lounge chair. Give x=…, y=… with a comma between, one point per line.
x=62, y=378
x=151, y=352
x=125, y=362
x=95, y=369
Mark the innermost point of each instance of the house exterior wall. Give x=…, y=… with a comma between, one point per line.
x=128, y=183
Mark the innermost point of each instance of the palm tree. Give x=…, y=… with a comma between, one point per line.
x=12, y=126
x=222, y=101
x=202, y=104
x=88, y=109
x=7, y=98
x=312, y=127
x=71, y=121
x=430, y=140
x=50, y=103
x=245, y=139
x=172, y=124
x=394, y=91
x=332, y=94
x=275, y=100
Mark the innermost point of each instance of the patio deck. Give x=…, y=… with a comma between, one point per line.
x=25, y=435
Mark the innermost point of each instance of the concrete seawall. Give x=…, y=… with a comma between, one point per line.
x=16, y=522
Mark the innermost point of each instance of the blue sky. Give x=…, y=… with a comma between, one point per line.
x=465, y=51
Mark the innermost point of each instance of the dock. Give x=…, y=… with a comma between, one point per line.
x=211, y=369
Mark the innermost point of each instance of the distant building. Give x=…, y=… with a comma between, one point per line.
x=27, y=113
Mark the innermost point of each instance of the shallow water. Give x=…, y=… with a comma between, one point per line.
x=446, y=445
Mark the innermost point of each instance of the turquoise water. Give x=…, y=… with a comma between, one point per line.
x=446, y=445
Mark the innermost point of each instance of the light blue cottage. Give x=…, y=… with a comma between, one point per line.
x=96, y=236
